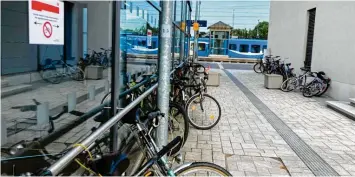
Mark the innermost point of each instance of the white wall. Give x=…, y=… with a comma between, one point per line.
x=334, y=40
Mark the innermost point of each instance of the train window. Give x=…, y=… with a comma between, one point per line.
x=232, y=46
x=201, y=46
x=244, y=48
x=154, y=44
x=255, y=48
x=144, y=43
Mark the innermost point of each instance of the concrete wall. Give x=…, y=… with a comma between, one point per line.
x=333, y=46
x=17, y=55
x=99, y=25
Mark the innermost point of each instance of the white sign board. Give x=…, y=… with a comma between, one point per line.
x=149, y=38
x=46, y=22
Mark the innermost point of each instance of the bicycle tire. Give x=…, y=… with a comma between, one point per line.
x=257, y=66
x=307, y=92
x=192, y=100
x=78, y=74
x=46, y=75
x=322, y=92
x=182, y=112
x=203, y=167
x=284, y=86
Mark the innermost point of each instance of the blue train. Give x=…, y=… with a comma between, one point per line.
x=234, y=48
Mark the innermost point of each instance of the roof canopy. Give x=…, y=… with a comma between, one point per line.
x=220, y=26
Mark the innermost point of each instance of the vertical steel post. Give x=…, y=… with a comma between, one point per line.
x=115, y=74
x=196, y=34
x=182, y=33
x=164, y=69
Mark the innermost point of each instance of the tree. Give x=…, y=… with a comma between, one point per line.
x=262, y=28
x=260, y=31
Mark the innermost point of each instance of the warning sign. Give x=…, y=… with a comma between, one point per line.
x=46, y=22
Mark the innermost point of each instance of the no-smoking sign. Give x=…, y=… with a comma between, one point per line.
x=47, y=29
x=46, y=22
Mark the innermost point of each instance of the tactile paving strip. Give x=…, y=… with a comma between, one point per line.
x=314, y=162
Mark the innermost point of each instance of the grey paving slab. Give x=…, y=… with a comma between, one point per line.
x=243, y=132
x=315, y=163
x=327, y=132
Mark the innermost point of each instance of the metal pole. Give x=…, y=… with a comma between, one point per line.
x=115, y=77
x=196, y=34
x=233, y=19
x=182, y=33
x=164, y=69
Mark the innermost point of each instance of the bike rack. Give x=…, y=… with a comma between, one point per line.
x=65, y=160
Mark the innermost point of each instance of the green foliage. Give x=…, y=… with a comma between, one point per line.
x=261, y=28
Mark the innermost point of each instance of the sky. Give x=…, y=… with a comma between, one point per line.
x=246, y=13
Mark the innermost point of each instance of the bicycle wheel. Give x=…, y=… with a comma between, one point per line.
x=202, y=169
x=289, y=84
x=257, y=68
x=203, y=111
x=51, y=75
x=311, y=89
x=178, y=126
x=77, y=74
x=324, y=89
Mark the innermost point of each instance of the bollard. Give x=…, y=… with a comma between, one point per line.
x=42, y=113
x=91, y=90
x=71, y=98
x=3, y=131
x=107, y=86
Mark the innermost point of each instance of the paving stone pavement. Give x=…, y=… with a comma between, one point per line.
x=328, y=133
x=243, y=141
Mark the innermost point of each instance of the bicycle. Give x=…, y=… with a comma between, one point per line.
x=99, y=58
x=296, y=82
x=194, y=101
x=118, y=164
x=318, y=86
x=178, y=123
x=51, y=73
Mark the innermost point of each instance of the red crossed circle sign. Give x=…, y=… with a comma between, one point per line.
x=47, y=29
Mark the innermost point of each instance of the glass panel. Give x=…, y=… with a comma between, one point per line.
x=232, y=46
x=255, y=48
x=139, y=39
x=243, y=48
x=178, y=11
x=52, y=86
x=177, y=43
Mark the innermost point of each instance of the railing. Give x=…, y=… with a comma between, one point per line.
x=81, y=119
x=64, y=161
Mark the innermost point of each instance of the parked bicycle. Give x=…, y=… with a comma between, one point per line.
x=54, y=71
x=274, y=65
x=317, y=86
x=189, y=90
x=99, y=58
